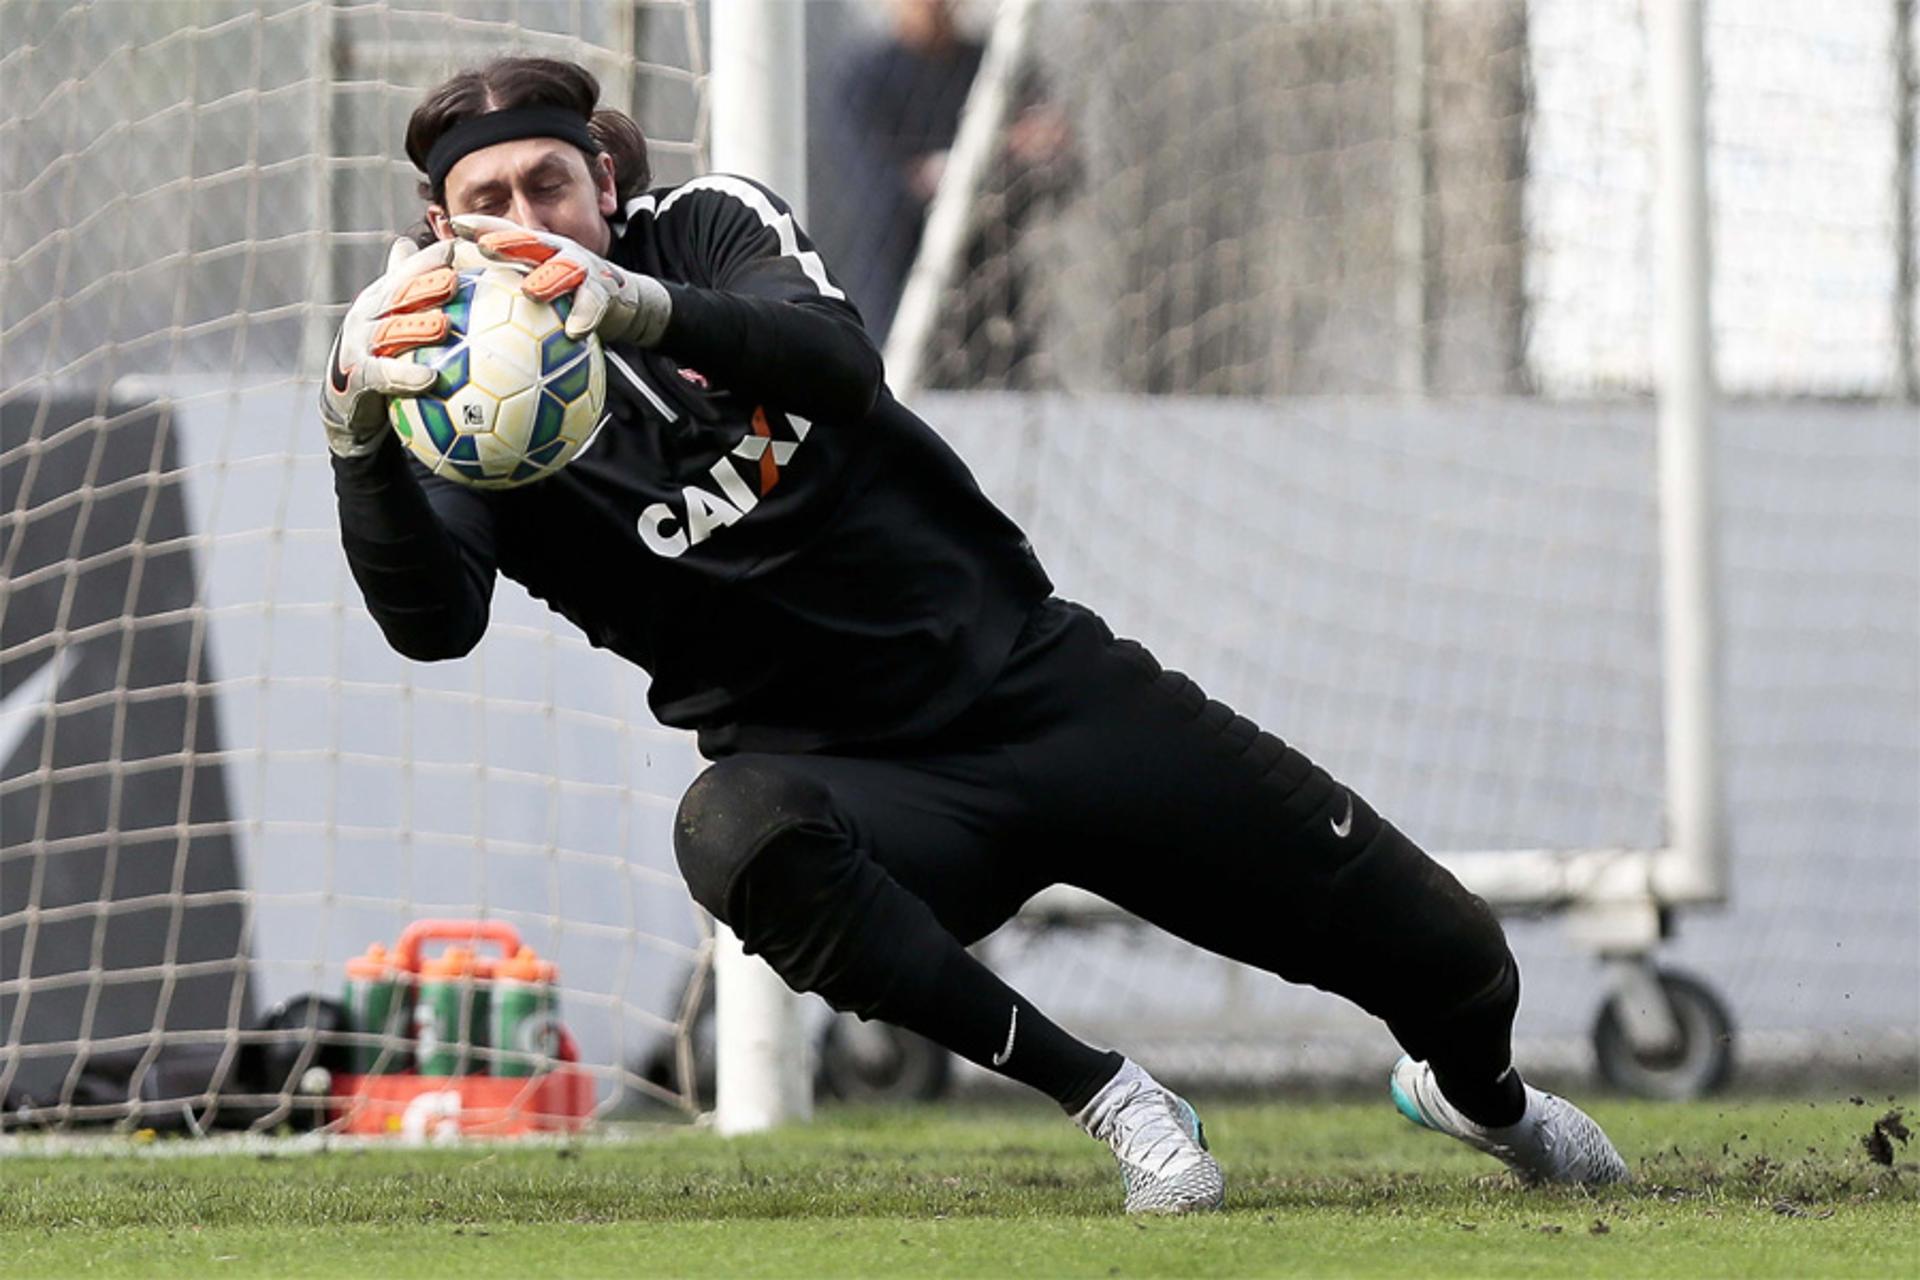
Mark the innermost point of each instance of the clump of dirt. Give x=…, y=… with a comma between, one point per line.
x=1879, y=1140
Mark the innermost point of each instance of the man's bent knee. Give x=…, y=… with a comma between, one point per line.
x=731, y=813
x=767, y=851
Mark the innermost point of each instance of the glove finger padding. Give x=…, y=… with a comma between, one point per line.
x=516, y=244
x=396, y=313
x=618, y=304
x=401, y=310
x=397, y=333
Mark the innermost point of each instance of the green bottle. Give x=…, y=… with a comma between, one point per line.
x=379, y=1003
x=451, y=1015
x=524, y=1015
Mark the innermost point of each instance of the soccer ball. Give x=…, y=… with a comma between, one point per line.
x=516, y=398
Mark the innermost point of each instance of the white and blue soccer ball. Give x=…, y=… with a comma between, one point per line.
x=516, y=398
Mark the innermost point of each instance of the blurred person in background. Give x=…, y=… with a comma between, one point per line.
x=895, y=112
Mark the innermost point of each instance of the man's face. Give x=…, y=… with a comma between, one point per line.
x=541, y=183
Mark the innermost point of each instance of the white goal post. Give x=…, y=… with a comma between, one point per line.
x=762, y=1053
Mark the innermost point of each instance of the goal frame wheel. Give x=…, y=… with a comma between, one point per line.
x=875, y=1062
x=1699, y=1062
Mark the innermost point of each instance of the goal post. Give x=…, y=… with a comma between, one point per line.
x=1694, y=863
x=762, y=1054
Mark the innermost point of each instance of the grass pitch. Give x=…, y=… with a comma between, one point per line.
x=1749, y=1188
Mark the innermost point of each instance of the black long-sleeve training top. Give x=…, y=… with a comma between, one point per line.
x=796, y=559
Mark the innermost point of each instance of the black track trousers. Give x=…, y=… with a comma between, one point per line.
x=1086, y=763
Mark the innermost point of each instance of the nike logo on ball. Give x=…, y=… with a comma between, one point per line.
x=1013, y=1025
x=1343, y=827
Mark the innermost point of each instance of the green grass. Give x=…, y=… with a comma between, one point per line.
x=1750, y=1188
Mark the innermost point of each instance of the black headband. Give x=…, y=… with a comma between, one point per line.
x=476, y=132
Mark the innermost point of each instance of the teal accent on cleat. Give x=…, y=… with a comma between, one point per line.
x=1193, y=1120
x=1401, y=1099
x=1553, y=1141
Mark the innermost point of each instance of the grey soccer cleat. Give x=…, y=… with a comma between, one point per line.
x=1157, y=1138
x=1553, y=1141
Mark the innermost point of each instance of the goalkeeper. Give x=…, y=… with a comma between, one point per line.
x=910, y=735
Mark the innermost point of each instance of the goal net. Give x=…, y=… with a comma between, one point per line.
x=219, y=784
x=1312, y=343
x=1315, y=345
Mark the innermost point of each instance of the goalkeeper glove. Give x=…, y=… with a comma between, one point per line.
x=394, y=314
x=618, y=304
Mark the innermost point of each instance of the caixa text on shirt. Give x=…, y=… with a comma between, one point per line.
x=667, y=532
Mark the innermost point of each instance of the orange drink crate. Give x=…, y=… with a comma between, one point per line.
x=452, y=1008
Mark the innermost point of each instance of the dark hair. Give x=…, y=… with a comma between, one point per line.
x=529, y=82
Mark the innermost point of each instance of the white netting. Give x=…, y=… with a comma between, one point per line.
x=1337, y=324
x=1320, y=338
x=219, y=782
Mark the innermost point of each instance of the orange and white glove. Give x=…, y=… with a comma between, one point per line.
x=618, y=304
x=393, y=315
